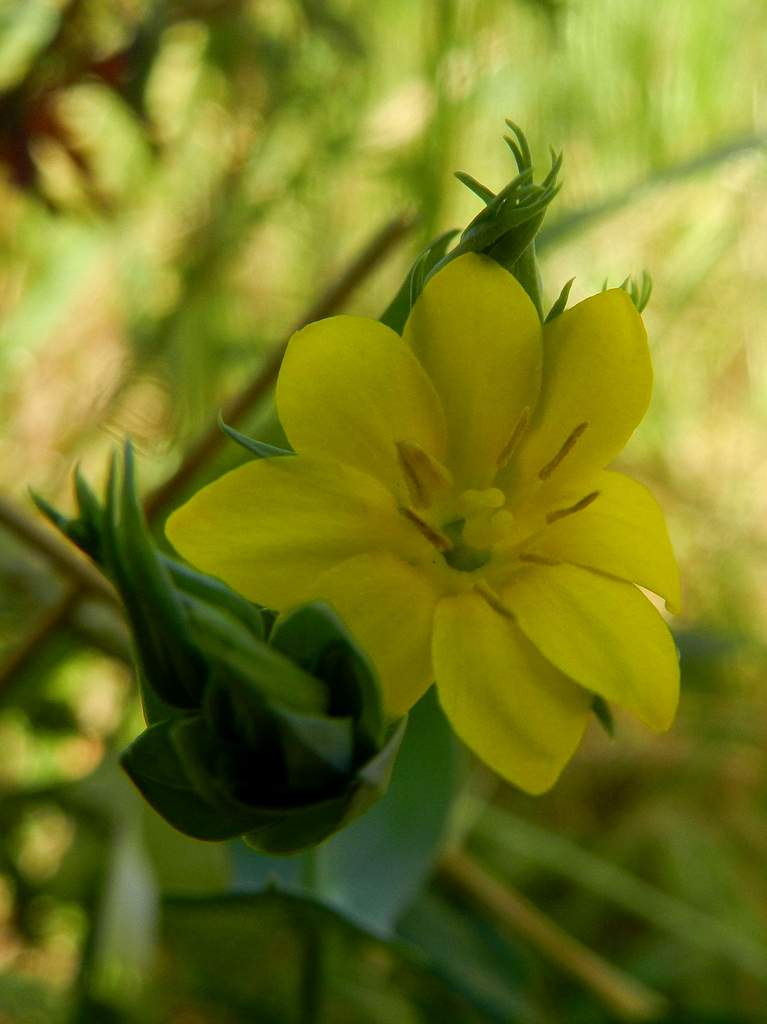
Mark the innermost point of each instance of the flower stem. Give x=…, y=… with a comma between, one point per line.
x=626, y=997
x=312, y=986
x=333, y=298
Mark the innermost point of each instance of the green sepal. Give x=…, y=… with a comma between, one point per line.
x=226, y=642
x=84, y=530
x=398, y=310
x=506, y=228
x=603, y=714
x=480, y=191
x=91, y=518
x=168, y=661
x=561, y=304
x=510, y=220
x=527, y=272
x=259, y=449
x=208, y=589
x=316, y=639
x=58, y=519
x=639, y=293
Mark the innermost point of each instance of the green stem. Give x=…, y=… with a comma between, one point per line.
x=312, y=987
x=311, y=992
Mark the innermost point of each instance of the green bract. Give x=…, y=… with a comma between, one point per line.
x=273, y=732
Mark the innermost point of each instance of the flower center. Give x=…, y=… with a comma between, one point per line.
x=474, y=531
x=462, y=556
x=471, y=526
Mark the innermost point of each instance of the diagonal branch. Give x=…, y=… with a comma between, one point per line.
x=83, y=580
x=236, y=410
x=60, y=554
x=626, y=997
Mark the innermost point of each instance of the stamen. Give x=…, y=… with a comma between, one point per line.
x=493, y=600
x=538, y=560
x=424, y=476
x=439, y=540
x=566, y=448
x=516, y=436
x=560, y=513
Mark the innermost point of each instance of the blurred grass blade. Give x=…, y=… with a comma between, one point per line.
x=503, y=834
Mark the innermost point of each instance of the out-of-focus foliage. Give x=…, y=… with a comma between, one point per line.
x=177, y=182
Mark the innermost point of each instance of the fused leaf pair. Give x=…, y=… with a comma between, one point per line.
x=274, y=731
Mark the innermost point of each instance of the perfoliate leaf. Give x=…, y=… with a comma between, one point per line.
x=318, y=750
x=153, y=765
x=368, y=870
x=213, y=592
x=318, y=641
x=227, y=643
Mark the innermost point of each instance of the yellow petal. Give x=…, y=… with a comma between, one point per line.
x=622, y=532
x=603, y=633
x=389, y=607
x=349, y=389
x=269, y=528
x=512, y=707
x=597, y=379
x=478, y=336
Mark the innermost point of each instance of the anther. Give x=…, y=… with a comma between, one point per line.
x=516, y=436
x=566, y=448
x=560, y=513
x=424, y=476
x=439, y=540
x=493, y=600
x=538, y=559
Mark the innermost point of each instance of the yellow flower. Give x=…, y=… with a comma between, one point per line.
x=449, y=498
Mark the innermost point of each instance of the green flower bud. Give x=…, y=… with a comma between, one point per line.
x=270, y=730
x=504, y=230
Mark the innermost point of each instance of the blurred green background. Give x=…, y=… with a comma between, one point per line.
x=178, y=182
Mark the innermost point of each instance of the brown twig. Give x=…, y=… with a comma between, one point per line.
x=46, y=624
x=626, y=997
x=59, y=553
x=379, y=246
x=234, y=412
